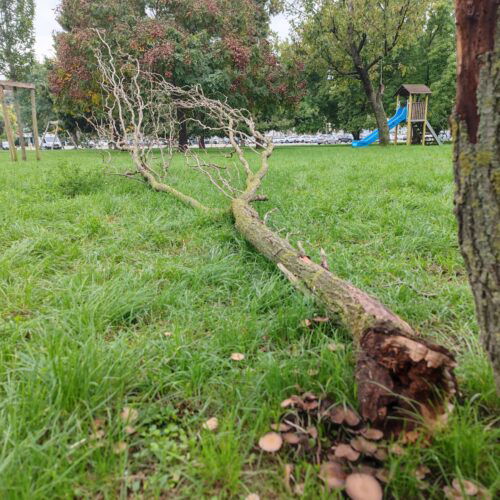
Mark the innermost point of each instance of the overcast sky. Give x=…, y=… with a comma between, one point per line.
x=46, y=25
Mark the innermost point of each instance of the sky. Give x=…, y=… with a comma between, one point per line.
x=46, y=25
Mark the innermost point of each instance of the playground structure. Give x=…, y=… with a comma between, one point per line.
x=14, y=86
x=413, y=112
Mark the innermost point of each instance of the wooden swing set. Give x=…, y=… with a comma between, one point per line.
x=14, y=86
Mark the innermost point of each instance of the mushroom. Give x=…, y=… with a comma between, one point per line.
x=271, y=442
x=363, y=487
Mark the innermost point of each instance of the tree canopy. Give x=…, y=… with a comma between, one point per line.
x=16, y=37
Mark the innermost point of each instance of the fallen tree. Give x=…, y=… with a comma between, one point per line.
x=401, y=375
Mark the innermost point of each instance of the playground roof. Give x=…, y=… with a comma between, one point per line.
x=413, y=88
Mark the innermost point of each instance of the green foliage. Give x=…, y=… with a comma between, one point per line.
x=16, y=37
x=91, y=283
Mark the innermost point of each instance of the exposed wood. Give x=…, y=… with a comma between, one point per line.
x=408, y=122
x=395, y=365
x=19, y=85
x=19, y=125
x=396, y=130
x=8, y=126
x=35, y=124
x=476, y=132
x=425, y=120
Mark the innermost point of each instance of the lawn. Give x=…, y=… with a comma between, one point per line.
x=114, y=297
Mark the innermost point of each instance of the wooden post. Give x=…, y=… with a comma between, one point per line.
x=35, y=124
x=425, y=119
x=396, y=129
x=19, y=125
x=8, y=128
x=408, y=122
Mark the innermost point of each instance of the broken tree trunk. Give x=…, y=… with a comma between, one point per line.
x=476, y=130
x=397, y=370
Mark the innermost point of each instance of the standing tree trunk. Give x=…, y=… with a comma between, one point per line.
x=476, y=129
x=375, y=98
x=183, y=132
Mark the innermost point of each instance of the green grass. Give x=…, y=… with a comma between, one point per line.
x=94, y=269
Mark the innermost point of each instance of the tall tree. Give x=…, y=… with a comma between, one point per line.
x=354, y=36
x=476, y=129
x=220, y=45
x=16, y=37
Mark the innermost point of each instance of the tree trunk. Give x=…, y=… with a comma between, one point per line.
x=201, y=142
x=375, y=98
x=183, y=132
x=476, y=130
x=356, y=134
x=395, y=365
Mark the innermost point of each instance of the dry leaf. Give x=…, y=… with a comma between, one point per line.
x=452, y=494
x=129, y=415
x=271, y=442
x=363, y=487
x=120, y=447
x=422, y=471
x=299, y=489
x=313, y=432
x=468, y=487
x=211, y=424
x=288, y=475
x=97, y=435
x=332, y=474
x=237, y=356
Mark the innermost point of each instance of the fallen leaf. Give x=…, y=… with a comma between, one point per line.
x=271, y=442
x=97, y=435
x=288, y=475
x=383, y=475
x=313, y=432
x=332, y=474
x=346, y=451
x=120, y=447
x=335, y=347
x=467, y=487
x=396, y=449
x=452, y=494
x=372, y=434
x=363, y=487
x=299, y=489
x=129, y=415
x=422, y=471
x=237, y=356
x=211, y=424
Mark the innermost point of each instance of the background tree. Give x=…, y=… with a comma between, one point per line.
x=16, y=37
x=476, y=130
x=353, y=37
x=221, y=45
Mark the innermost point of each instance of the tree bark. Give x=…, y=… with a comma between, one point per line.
x=395, y=365
x=183, y=132
x=201, y=142
x=476, y=130
x=375, y=98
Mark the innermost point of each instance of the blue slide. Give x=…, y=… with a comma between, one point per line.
x=399, y=117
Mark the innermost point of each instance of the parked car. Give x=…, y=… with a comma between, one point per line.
x=5, y=145
x=51, y=142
